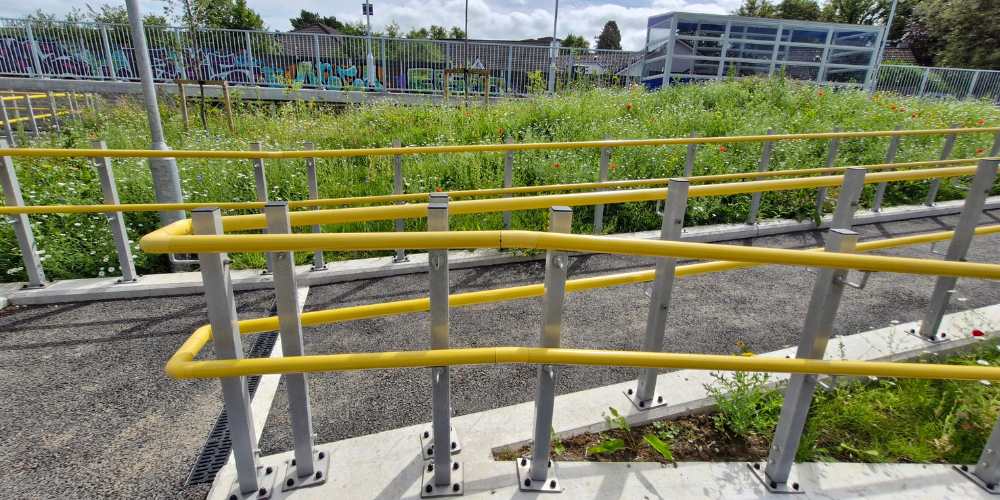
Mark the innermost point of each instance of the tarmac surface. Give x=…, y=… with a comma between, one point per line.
x=90, y=413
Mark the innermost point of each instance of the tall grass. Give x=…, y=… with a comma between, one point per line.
x=81, y=246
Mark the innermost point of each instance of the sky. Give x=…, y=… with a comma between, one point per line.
x=498, y=19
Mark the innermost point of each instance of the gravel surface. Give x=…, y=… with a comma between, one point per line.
x=88, y=411
x=761, y=306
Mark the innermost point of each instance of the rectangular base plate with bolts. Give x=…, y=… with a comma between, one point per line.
x=427, y=441
x=524, y=482
x=657, y=400
x=430, y=490
x=938, y=337
x=265, y=482
x=964, y=470
x=790, y=486
x=321, y=465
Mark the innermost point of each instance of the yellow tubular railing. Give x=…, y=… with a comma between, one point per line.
x=202, y=335
x=474, y=148
x=361, y=200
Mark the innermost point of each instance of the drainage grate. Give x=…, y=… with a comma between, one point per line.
x=215, y=453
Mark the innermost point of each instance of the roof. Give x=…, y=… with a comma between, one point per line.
x=318, y=28
x=899, y=54
x=653, y=20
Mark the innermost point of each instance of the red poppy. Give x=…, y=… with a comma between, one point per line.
x=978, y=333
x=902, y=109
x=722, y=148
x=980, y=151
x=628, y=106
x=439, y=190
x=820, y=93
x=914, y=116
x=92, y=134
x=555, y=166
x=894, y=107
x=982, y=122
x=612, y=166
x=466, y=112
x=500, y=131
x=650, y=121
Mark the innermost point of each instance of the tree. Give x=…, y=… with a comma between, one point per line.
x=959, y=33
x=755, y=8
x=306, y=18
x=240, y=17
x=856, y=11
x=799, y=10
x=610, y=37
x=436, y=33
x=226, y=14
x=117, y=14
x=456, y=33
x=575, y=41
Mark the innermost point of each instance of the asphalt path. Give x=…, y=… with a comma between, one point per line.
x=88, y=411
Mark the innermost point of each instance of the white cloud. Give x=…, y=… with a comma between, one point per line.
x=502, y=19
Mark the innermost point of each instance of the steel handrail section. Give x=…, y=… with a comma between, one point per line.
x=469, y=193
x=473, y=148
x=202, y=335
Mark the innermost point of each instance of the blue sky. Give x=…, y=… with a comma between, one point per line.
x=499, y=19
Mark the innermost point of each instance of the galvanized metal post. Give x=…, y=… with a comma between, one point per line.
x=318, y=77
x=538, y=473
x=108, y=54
x=689, y=159
x=260, y=182
x=823, y=306
x=890, y=157
x=6, y=123
x=831, y=159
x=569, y=70
x=848, y=199
x=54, y=114
x=765, y=162
x=22, y=225
x=986, y=472
x=923, y=82
x=508, y=178
x=995, y=150
x=439, y=479
x=645, y=396
x=319, y=263
x=510, y=66
x=226, y=335
x=115, y=219
x=945, y=153
x=69, y=102
x=249, y=54
x=31, y=116
x=397, y=177
x=33, y=47
x=309, y=466
x=972, y=84
x=602, y=176
x=982, y=183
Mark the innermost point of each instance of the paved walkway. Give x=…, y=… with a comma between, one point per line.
x=89, y=411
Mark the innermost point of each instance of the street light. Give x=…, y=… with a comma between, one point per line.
x=368, y=12
x=552, y=52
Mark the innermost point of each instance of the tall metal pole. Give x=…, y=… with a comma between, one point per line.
x=881, y=47
x=552, y=52
x=371, y=59
x=166, y=181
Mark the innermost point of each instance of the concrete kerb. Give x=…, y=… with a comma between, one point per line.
x=163, y=285
x=388, y=464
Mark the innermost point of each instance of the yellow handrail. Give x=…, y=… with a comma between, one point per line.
x=473, y=148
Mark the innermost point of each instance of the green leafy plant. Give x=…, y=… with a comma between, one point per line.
x=746, y=405
x=557, y=445
x=660, y=446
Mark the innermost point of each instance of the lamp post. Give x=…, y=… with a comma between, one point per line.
x=368, y=11
x=552, y=52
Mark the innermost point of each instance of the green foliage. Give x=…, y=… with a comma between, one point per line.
x=610, y=37
x=617, y=421
x=117, y=14
x=958, y=33
x=306, y=18
x=800, y=10
x=575, y=41
x=755, y=8
x=609, y=446
x=557, y=445
x=856, y=11
x=224, y=14
x=661, y=447
x=746, y=404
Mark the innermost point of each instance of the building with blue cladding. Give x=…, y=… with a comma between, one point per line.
x=683, y=46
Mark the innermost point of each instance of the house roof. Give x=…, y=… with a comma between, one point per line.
x=318, y=28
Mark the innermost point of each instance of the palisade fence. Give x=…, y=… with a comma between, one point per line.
x=99, y=51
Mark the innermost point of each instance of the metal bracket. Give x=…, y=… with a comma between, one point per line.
x=265, y=482
x=659, y=208
x=321, y=465
x=427, y=443
x=524, y=482
x=992, y=489
x=826, y=387
x=455, y=489
x=184, y=262
x=954, y=184
x=858, y=286
x=643, y=405
x=314, y=268
x=396, y=260
x=789, y=487
x=934, y=244
x=938, y=337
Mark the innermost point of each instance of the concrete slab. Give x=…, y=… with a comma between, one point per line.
x=389, y=465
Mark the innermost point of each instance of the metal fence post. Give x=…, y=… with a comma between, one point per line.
x=107, y=53
x=397, y=177
x=319, y=263
x=765, y=162
x=22, y=225
x=510, y=68
x=972, y=84
x=6, y=123
x=115, y=219
x=309, y=466
x=33, y=46
x=69, y=103
x=986, y=472
x=54, y=118
x=442, y=476
x=31, y=115
x=317, y=80
x=226, y=334
x=539, y=473
x=959, y=245
x=890, y=157
x=831, y=159
x=945, y=153
x=602, y=176
x=569, y=70
x=508, y=178
x=260, y=182
x=923, y=82
x=645, y=396
x=689, y=159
